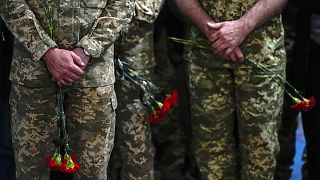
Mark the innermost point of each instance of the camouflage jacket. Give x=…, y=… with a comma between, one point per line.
x=147, y=10
x=265, y=44
x=136, y=45
x=91, y=24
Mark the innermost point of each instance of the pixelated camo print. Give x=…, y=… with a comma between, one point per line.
x=91, y=128
x=93, y=25
x=266, y=44
x=224, y=92
x=132, y=157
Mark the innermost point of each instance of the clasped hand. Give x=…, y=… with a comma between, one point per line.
x=66, y=67
x=226, y=37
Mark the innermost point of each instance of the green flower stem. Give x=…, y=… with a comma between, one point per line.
x=272, y=74
x=59, y=95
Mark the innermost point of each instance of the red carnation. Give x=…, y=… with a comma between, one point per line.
x=304, y=105
x=159, y=114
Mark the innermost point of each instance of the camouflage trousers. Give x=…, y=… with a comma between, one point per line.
x=91, y=121
x=132, y=157
x=234, y=118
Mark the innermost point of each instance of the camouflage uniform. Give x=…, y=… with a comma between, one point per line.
x=133, y=153
x=89, y=103
x=235, y=108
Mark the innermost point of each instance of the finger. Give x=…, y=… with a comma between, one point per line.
x=214, y=25
x=216, y=45
x=233, y=57
x=76, y=59
x=72, y=76
x=77, y=70
x=229, y=51
x=62, y=82
x=239, y=54
x=213, y=38
x=68, y=80
x=221, y=49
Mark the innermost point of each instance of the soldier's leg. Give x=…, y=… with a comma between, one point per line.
x=133, y=136
x=91, y=125
x=259, y=106
x=133, y=133
x=34, y=126
x=212, y=121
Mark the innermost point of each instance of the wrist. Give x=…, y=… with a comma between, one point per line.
x=207, y=31
x=84, y=54
x=247, y=24
x=48, y=53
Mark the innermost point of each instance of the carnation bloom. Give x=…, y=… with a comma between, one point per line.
x=55, y=162
x=66, y=165
x=163, y=109
x=303, y=105
x=70, y=164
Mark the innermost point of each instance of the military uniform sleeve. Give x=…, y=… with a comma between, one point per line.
x=147, y=10
x=25, y=27
x=106, y=29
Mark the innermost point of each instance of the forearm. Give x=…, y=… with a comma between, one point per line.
x=193, y=11
x=261, y=12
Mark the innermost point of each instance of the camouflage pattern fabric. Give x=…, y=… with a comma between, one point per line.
x=93, y=25
x=133, y=155
x=235, y=108
x=218, y=97
x=91, y=115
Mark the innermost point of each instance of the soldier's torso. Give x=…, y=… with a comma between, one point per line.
x=72, y=20
x=264, y=44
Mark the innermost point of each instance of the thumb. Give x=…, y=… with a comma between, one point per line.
x=76, y=59
x=214, y=25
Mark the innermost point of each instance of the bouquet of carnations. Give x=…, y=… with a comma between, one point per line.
x=56, y=162
x=151, y=96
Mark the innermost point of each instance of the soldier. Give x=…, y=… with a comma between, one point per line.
x=133, y=154
x=79, y=56
x=223, y=92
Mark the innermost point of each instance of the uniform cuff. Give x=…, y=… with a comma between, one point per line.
x=42, y=48
x=91, y=46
